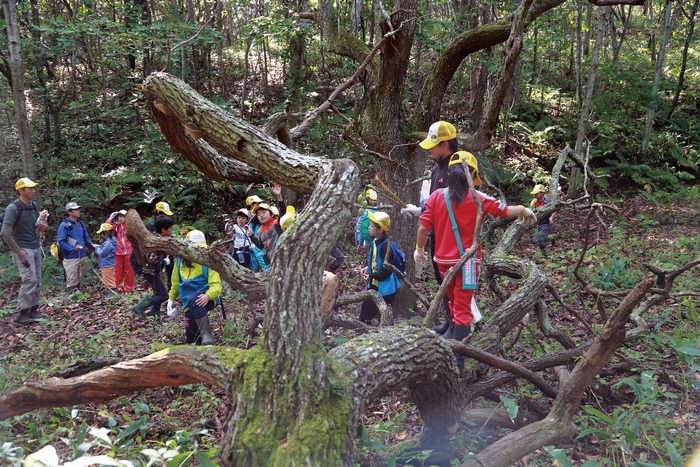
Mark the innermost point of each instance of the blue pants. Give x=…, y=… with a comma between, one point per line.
x=160, y=293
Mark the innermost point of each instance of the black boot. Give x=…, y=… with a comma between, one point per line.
x=442, y=327
x=34, y=314
x=450, y=331
x=205, y=331
x=23, y=318
x=460, y=333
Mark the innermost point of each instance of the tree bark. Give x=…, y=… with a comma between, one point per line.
x=13, y=38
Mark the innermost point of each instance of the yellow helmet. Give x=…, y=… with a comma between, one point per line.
x=381, y=219
x=371, y=194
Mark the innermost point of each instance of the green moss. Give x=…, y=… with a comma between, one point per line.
x=324, y=431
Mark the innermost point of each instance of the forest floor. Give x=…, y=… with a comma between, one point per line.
x=647, y=396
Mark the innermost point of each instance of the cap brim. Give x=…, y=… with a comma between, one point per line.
x=428, y=143
x=169, y=213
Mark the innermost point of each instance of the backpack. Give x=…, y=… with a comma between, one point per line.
x=399, y=257
x=364, y=227
x=20, y=209
x=56, y=252
x=134, y=263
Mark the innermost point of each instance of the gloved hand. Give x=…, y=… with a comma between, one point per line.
x=172, y=311
x=411, y=209
x=166, y=261
x=527, y=216
x=418, y=257
x=113, y=215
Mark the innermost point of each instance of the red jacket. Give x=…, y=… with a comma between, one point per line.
x=436, y=218
x=123, y=244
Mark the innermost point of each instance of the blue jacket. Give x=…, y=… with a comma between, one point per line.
x=106, y=253
x=71, y=234
x=386, y=281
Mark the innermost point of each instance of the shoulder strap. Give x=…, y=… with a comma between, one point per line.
x=455, y=229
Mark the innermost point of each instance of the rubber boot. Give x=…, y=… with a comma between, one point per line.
x=460, y=333
x=34, y=313
x=450, y=331
x=442, y=327
x=205, y=330
x=23, y=318
x=141, y=306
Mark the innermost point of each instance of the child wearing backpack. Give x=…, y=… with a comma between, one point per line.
x=380, y=278
x=106, y=258
x=198, y=287
x=155, y=262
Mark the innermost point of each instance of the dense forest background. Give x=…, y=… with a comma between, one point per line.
x=618, y=83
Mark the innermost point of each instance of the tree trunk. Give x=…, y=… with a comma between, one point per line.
x=684, y=62
x=25, y=138
x=586, y=107
x=653, y=101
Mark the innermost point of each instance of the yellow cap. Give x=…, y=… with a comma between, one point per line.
x=468, y=157
x=25, y=183
x=105, y=227
x=438, y=132
x=162, y=206
x=538, y=189
x=381, y=219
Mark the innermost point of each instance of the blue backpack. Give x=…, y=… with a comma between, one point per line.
x=399, y=257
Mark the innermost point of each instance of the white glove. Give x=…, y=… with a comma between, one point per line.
x=411, y=209
x=172, y=311
x=527, y=216
x=418, y=256
x=113, y=215
x=166, y=261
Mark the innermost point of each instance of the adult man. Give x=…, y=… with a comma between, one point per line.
x=441, y=142
x=73, y=237
x=19, y=231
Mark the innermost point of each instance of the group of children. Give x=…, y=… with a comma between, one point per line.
x=196, y=286
x=254, y=236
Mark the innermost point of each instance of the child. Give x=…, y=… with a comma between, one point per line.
x=106, y=258
x=364, y=239
x=379, y=278
x=241, y=241
x=152, y=273
x=198, y=287
x=543, y=232
x=124, y=271
x=268, y=233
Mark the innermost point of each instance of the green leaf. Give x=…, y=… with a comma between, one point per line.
x=599, y=415
x=694, y=351
x=511, y=405
x=203, y=459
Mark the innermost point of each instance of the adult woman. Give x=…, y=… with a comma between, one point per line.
x=455, y=205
